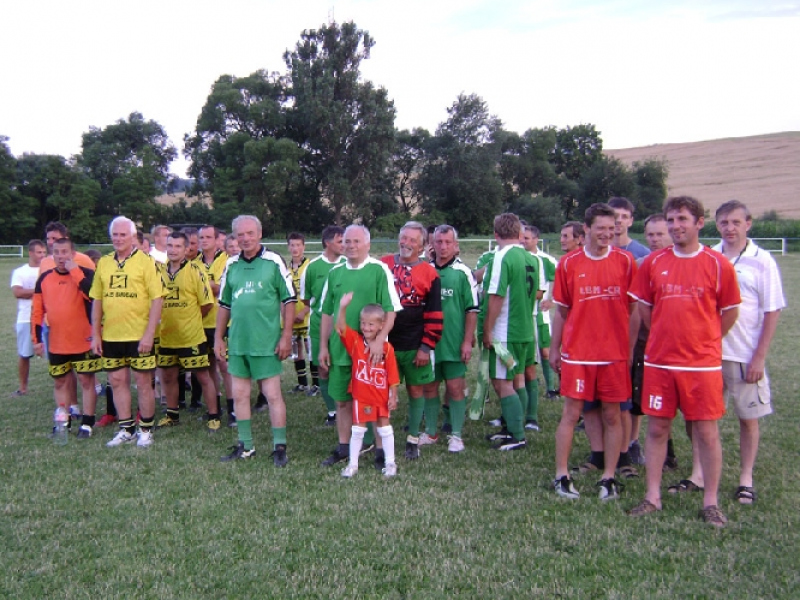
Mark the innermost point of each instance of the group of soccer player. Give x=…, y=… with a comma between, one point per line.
x=634, y=331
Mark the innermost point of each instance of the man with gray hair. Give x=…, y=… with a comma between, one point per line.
x=255, y=292
x=127, y=294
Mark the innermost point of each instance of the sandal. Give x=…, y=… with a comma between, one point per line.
x=684, y=485
x=745, y=494
x=713, y=516
x=645, y=507
x=628, y=472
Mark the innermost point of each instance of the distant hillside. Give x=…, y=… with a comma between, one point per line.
x=762, y=171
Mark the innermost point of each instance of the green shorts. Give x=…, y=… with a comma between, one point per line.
x=314, y=358
x=531, y=354
x=409, y=372
x=543, y=336
x=519, y=350
x=254, y=367
x=449, y=369
x=339, y=382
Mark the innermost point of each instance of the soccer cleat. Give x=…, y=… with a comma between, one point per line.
x=279, y=457
x=213, y=425
x=500, y=436
x=447, y=428
x=122, y=437
x=553, y=395
x=532, y=425
x=565, y=489
x=635, y=452
x=261, y=403
x=427, y=440
x=455, y=444
x=168, y=422
x=330, y=420
x=238, y=452
x=299, y=388
x=349, y=471
x=496, y=422
x=609, y=489
x=231, y=420
x=380, y=459
x=106, y=420
x=511, y=444
x=85, y=432
x=412, y=449
x=194, y=407
x=144, y=438
x=312, y=391
x=74, y=412
x=389, y=470
x=335, y=457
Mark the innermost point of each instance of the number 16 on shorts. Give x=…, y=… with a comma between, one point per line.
x=655, y=402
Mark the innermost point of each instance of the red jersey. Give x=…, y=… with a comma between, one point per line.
x=688, y=293
x=64, y=299
x=370, y=384
x=596, y=292
x=420, y=291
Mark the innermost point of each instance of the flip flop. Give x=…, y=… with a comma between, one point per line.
x=684, y=485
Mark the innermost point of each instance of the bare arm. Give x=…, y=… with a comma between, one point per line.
x=727, y=319
x=557, y=331
x=756, y=368
x=284, y=347
x=223, y=316
x=97, y=319
x=146, y=343
x=22, y=293
x=633, y=333
x=493, y=308
x=470, y=324
x=645, y=312
x=376, y=345
x=325, y=329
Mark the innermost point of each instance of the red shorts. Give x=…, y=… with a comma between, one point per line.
x=607, y=383
x=697, y=393
x=369, y=413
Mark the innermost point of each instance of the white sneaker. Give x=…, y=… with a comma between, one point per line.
x=390, y=470
x=455, y=443
x=349, y=471
x=496, y=423
x=427, y=440
x=145, y=438
x=122, y=437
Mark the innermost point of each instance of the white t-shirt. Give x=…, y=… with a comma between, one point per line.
x=25, y=277
x=158, y=255
x=762, y=292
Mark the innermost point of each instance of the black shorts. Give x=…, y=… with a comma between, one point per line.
x=637, y=377
x=61, y=364
x=193, y=358
x=210, y=333
x=118, y=355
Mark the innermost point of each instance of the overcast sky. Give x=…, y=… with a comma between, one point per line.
x=642, y=71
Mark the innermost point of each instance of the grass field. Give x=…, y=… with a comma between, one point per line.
x=171, y=521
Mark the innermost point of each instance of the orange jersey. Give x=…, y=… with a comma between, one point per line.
x=64, y=299
x=595, y=290
x=370, y=384
x=688, y=294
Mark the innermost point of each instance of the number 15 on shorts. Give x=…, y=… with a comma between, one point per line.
x=655, y=402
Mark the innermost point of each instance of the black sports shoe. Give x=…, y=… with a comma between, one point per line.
x=447, y=428
x=499, y=436
x=670, y=463
x=238, y=452
x=511, y=444
x=279, y=457
x=231, y=420
x=609, y=489
x=412, y=451
x=553, y=395
x=261, y=403
x=330, y=420
x=335, y=457
x=194, y=407
x=380, y=459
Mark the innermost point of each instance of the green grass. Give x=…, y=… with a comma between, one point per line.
x=85, y=521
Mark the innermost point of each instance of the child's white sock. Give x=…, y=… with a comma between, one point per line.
x=356, y=441
x=387, y=437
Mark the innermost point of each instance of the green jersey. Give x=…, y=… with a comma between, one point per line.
x=371, y=283
x=547, y=275
x=311, y=283
x=515, y=277
x=253, y=291
x=459, y=297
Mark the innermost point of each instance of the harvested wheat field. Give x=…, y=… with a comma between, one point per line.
x=762, y=171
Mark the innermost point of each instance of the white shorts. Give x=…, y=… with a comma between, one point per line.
x=750, y=400
x=24, y=340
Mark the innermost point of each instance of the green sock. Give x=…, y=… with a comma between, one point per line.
x=532, y=387
x=523, y=401
x=278, y=436
x=369, y=436
x=416, y=407
x=446, y=414
x=512, y=412
x=458, y=409
x=548, y=376
x=245, y=433
x=330, y=403
x=431, y=415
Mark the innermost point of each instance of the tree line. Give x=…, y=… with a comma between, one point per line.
x=317, y=144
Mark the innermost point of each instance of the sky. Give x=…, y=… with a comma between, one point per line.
x=642, y=71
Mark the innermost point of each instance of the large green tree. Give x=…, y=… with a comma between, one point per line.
x=18, y=214
x=344, y=125
x=130, y=161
